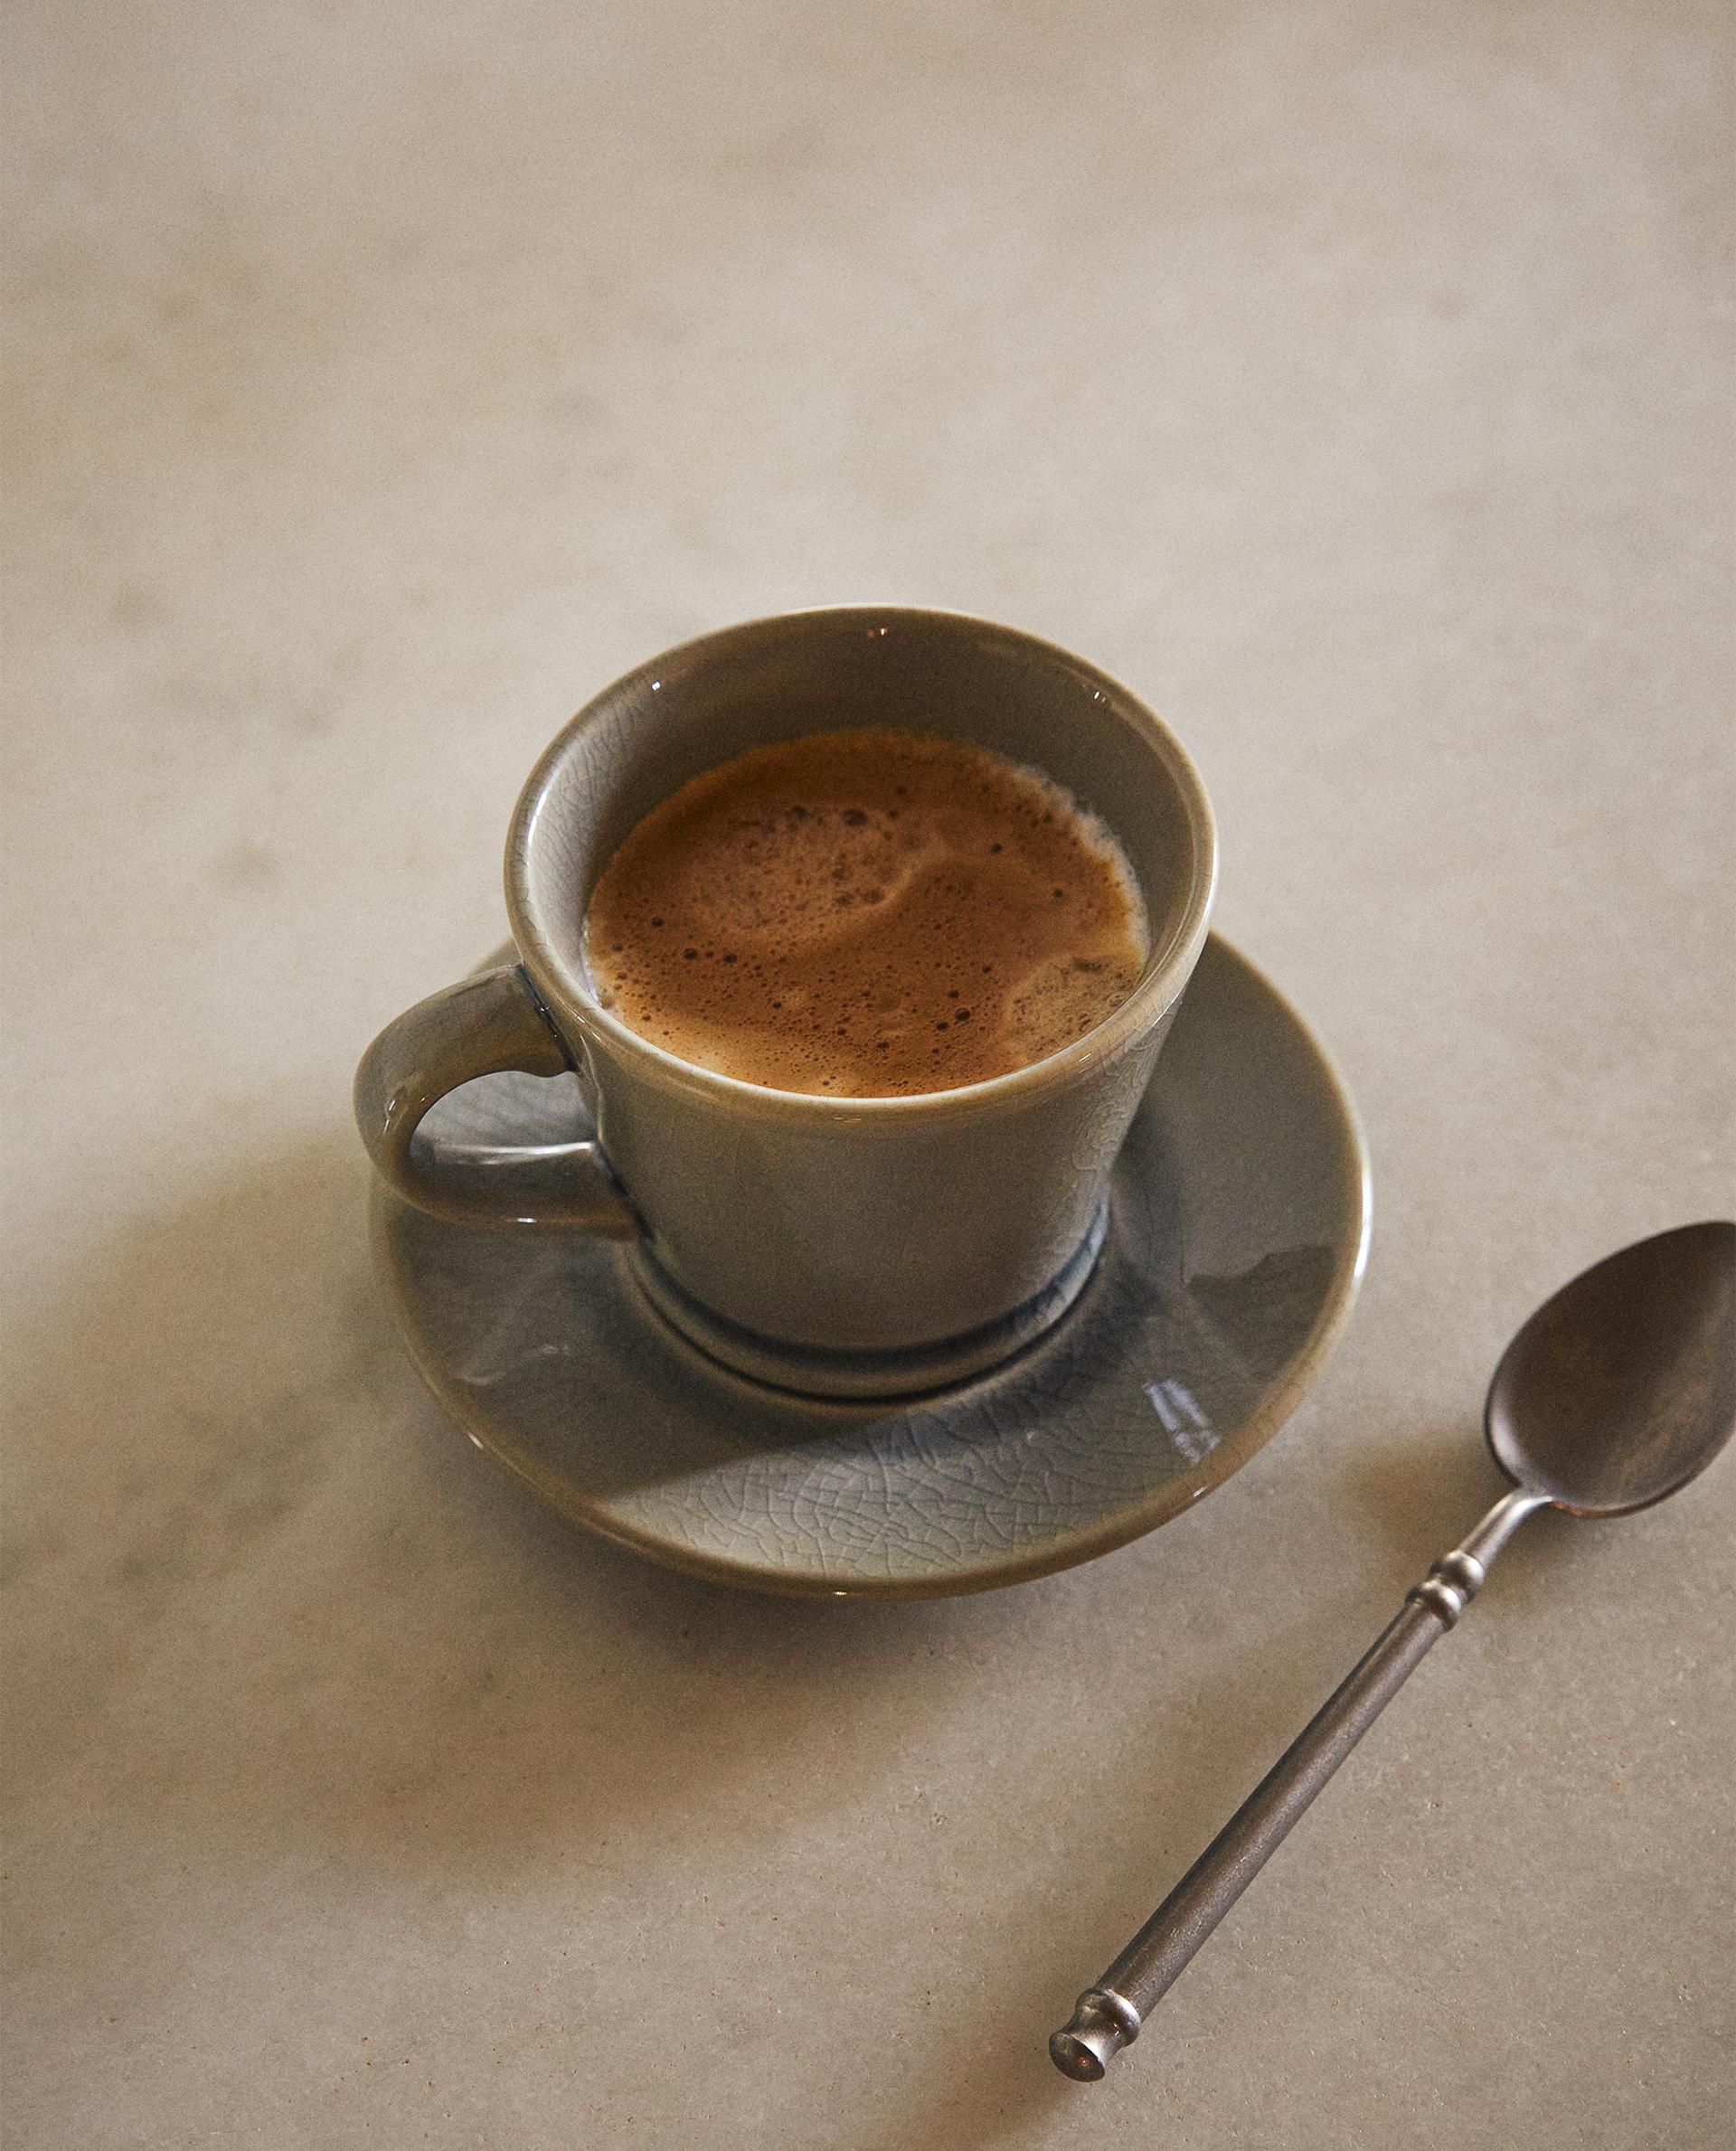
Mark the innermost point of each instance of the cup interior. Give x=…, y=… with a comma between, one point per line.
x=850, y=668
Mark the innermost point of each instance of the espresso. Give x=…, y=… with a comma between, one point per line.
x=866, y=914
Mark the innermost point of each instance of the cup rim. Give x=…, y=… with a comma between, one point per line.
x=1158, y=988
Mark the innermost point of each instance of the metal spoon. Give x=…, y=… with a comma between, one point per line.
x=1616, y=1393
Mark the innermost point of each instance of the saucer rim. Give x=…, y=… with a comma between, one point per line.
x=1107, y=1534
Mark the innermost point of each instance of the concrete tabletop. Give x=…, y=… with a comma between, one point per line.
x=1354, y=381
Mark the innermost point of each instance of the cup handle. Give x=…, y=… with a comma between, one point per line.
x=485, y=1025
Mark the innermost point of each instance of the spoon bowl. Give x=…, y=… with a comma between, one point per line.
x=1622, y=1387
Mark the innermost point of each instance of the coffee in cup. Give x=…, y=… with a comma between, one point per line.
x=911, y=1217
x=866, y=914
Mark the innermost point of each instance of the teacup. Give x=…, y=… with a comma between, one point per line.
x=841, y=1246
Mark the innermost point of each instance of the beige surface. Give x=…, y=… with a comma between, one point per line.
x=1354, y=380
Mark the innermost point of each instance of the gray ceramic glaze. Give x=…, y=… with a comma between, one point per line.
x=1237, y=1228
x=839, y=1245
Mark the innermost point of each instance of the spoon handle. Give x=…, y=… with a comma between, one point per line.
x=1110, y=2015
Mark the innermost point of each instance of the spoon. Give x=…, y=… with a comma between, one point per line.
x=1615, y=1394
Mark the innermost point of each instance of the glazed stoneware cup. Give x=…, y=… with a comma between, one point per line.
x=841, y=1246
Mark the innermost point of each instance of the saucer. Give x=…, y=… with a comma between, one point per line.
x=1238, y=1214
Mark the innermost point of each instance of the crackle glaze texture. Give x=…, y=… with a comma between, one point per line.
x=1352, y=378
x=1237, y=1225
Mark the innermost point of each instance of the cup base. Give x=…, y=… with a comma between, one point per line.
x=813, y=1371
